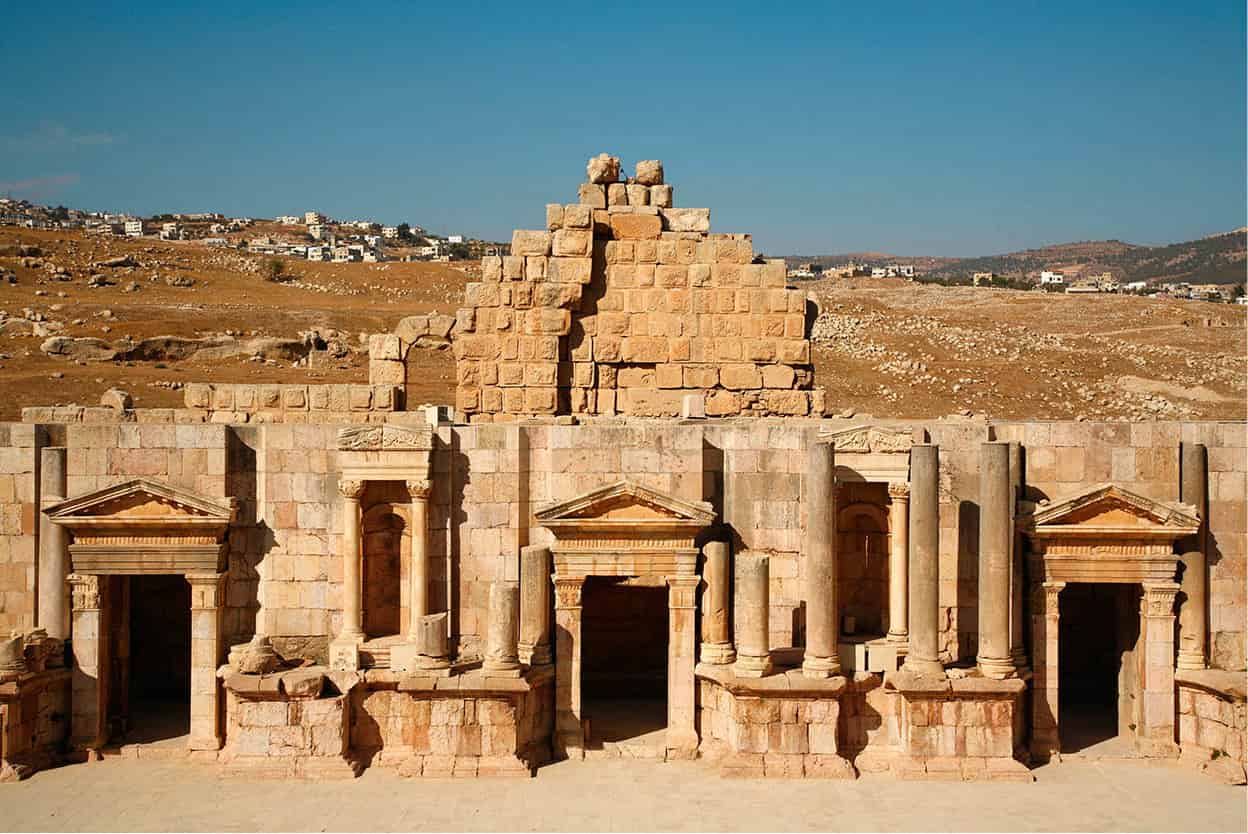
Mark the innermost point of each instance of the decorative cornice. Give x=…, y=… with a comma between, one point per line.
x=190, y=506
x=385, y=436
x=582, y=509
x=1172, y=520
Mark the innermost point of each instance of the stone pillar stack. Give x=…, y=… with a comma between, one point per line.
x=569, y=733
x=535, y=568
x=753, y=611
x=1157, y=731
x=924, y=655
x=682, y=600
x=898, y=563
x=501, y=656
x=822, y=658
x=995, y=545
x=89, y=684
x=1193, y=611
x=1046, y=619
x=716, y=624
x=53, y=611
x=207, y=601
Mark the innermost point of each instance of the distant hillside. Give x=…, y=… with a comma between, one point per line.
x=1217, y=259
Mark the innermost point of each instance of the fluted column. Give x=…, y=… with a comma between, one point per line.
x=535, y=567
x=822, y=658
x=502, y=658
x=1193, y=610
x=752, y=614
x=995, y=544
x=898, y=563
x=1018, y=580
x=716, y=625
x=418, y=581
x=924, y=655
x=53, y=610
x=569, y=732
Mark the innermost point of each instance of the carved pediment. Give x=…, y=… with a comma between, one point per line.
x=626, y=502
x=139, y=501
x=1107, y=508
x=870, y=439
x=385, y=436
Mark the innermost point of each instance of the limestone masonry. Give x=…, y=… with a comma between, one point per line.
x=635, y=534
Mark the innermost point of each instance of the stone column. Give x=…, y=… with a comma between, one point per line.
x=753, y=613
x=923, y=658
x=535, y=568
x=682, y=602
x=1045, y=617
x=898, y=563
x=344, y=652
x=1018, y=579
x=822, y=658
x=53, y=610
x=716, y=625
x=503, y=631
x=1156, y=734
x=207, y=599
x=89, y=683
x=418, y=581
x=1193, y=610
x=995, y=543
x=569, y=732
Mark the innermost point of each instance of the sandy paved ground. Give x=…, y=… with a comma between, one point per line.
x=619, y=795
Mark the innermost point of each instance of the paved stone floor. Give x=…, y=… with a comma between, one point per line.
x=614, y=795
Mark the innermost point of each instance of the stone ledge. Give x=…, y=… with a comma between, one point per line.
x=923, y=686
x=961, y=769
x=782, y=683
x=1230, y=685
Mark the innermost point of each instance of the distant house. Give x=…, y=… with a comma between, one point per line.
x=1083, y=288
x=390, y=232
x=215, y=241
x=978, y=278
x=170, y=231
x=1054, y=278
x=134, y=228
x=318, y=253
x=312, y=217
x=1134, y=286
x=289, y=220
x=317, y=230
x=454, y=238
x=904, y=270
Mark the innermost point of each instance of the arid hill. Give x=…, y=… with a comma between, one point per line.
x=884, y=347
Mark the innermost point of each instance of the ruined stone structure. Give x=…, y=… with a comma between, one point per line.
x=305, y=581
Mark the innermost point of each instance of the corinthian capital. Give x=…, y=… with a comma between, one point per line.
x=351, y=489
x=898, y=491
x=419, y=489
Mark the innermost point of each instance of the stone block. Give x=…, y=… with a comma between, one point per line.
x=525, y=242
x=740, y=377
x=723, y=404
x=638, y=195
x=571, y=270
x=554, y=217
x=385, y=346
x=386, y=373
x=603, y=168
x=661, y=196
x=686, y=219
x=577, y=216
x=572, y=243
x=617, y=194
x=636, y=227
x=649, y=172
x=513, y=267
x=593, y=195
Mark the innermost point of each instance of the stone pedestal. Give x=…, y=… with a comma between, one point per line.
x=822, y=659
x=924, y=655
x=716, y=622
x=995, y=543
x=753, y=612
x=426, y=652
x=535, y=570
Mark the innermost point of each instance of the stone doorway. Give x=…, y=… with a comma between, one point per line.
x=624, y=633
x=1098, y=658
x=157, y=689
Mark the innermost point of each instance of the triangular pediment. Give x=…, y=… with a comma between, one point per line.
x=627, y=501
x=140, y=500
x=1112, y=507
x=868, y=439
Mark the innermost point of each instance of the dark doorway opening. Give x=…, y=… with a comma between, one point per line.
x=624, y=632
x=1098, y=674
x=159, y=685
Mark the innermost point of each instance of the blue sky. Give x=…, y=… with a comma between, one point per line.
x=914, y=128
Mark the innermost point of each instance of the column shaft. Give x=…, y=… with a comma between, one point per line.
x=1045, y=618
x=1193, y=611
x=53, y=610
x=535, y=568
x=716, y=625
x=418, y=584
x=1018, y=645
x=89, y=683
x=1156, y=733
x=352, y=586
x=503, y=631
x=995, y=543
x=898, y=563
x=924, y=655
x=822, y=658
x=682, y=735
x=753, y=612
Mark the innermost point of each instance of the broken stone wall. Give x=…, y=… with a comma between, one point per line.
x=624, y=305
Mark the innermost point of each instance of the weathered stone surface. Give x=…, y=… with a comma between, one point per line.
x=636, y=227
x=686, y=219
x=603, y=169
x=649, y=172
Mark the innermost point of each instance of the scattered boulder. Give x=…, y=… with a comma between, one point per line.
x=87, y=349
x=133, y=286
x=117, y=262
x=179, y=281
x=117, y=399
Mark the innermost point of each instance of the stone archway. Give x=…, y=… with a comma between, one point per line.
x=1108, y=535
x=143, y=528
x=626, y=529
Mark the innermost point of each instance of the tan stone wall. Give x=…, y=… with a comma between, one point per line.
x=18, y=527
x=1212, y=726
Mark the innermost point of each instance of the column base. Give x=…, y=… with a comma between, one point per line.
x=998, y=668
x=930, y=668
x=344, y=653
x=898, y=637
x=535, y=655
x=502, y=668
x=1021, y=667
x=719, y=654
x=1190, y=660
x=820, y=667
x=752, y=667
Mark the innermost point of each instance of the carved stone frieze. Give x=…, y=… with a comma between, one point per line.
x=868, y=439
x=385, y=437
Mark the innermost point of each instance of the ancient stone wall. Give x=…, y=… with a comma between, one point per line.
x=623, y=304
x=18, y=527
